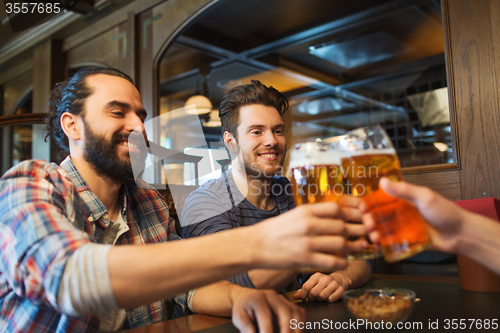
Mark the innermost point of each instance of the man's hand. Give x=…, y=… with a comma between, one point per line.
x=251, y=305
x=444, y=217
x=451, y=228
x=311, y=235
x=322, y=287
x=350, y=207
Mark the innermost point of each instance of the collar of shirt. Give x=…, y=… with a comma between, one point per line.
x=93, y=208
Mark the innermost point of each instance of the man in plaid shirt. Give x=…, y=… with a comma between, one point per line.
x=59, y=270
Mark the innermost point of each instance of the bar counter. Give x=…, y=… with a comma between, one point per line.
x=441, y=301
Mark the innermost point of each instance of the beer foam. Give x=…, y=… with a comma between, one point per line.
x=373, y=151
x=309, y=154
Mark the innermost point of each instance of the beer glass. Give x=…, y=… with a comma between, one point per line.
x=368, y=156
x=316, y=176
x=315, y=172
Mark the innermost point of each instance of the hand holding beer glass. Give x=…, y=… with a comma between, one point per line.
x=316, y=176
x=368, y=156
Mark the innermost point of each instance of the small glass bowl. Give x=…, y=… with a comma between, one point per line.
x=377, y=305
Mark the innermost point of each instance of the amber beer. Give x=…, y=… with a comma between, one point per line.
x=402, y=229
x=315, y=173
x=316, y=183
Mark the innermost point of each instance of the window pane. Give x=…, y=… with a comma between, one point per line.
x=24, y=141
x=21, y=142
x=342, y=66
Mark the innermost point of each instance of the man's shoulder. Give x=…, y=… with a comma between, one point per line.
x=214, y=188
x=209, y=200
x=213, y=185
x=35, y=181
x=35, y=169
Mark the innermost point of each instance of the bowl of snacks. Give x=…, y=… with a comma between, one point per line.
x=380, y=305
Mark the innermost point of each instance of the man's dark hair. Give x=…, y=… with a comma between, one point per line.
x=253, y=93
x=69, y=96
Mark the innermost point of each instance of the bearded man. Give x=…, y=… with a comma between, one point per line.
x=86, y=247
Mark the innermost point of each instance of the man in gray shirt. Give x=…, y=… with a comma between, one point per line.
x=251, y=191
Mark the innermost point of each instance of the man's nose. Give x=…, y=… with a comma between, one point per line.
x=134, y=123
x=270, y=140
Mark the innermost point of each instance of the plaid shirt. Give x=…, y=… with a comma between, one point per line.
x=46, y=213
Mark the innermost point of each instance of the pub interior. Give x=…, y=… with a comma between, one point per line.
x=423, y=69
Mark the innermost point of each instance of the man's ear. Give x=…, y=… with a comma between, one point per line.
x=71, y=126
x=230, y=142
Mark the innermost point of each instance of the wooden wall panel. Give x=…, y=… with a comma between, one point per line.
x=144, y=68
x=450, y=78
x=112, y=20
x=474, y=37
x=446, y=183
x=29, y=39
x=495, y=29
x=174, y=13
x=48, y=69
x=16, y=71
x=114, y=48
x=98, y=50
x=126, y=46
x=129, y=65
x=145, y=78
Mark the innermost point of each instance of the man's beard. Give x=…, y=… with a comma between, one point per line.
x=253, y=169
x=103, y=157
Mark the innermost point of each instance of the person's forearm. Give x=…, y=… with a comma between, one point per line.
x=354, y=275
x=276, y=279
x=144, y=274
x=215, y=299
x=480, y=240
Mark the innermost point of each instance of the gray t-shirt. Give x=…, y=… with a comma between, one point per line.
x=218, y=205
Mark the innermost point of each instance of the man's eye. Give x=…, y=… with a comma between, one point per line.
x=256, y=132
x=118, y=113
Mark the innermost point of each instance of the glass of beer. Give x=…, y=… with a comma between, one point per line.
x=368, y=156
x=316, y=176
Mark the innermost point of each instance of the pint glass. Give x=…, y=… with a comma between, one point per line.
x=369, y=156
x=317, y=176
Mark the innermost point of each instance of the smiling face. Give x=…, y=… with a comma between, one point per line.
x=113, y=125
x=261, y=141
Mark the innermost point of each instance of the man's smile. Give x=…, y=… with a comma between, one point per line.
x=268, y=156
x=130, y=144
